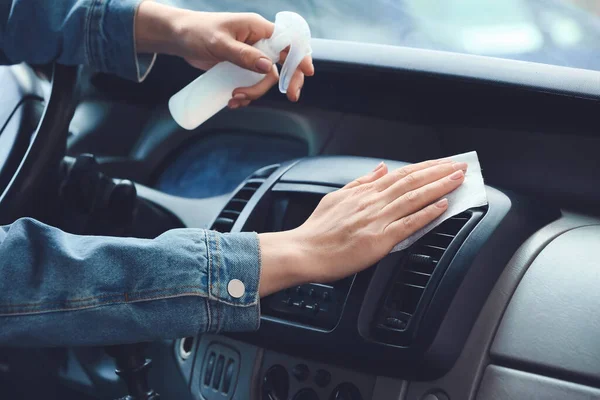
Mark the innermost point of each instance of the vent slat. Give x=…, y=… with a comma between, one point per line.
x=236, y=204
x=452, y=226
x=435, y=248
x=253, y=183
x=441, y=240
x=245, y=193
x=413, y=286
x=416, y=278
x=231, y=214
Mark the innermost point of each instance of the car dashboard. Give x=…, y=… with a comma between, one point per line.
x=498, y=302
x=416, y=322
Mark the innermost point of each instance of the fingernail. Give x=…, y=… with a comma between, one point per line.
x=378, y=166
x=234, y=106
x=460, y=165
x=444, y=161
x=298, y=94
x=264, y=65
x=241, y=96
x=443, y=203
x=457, y=175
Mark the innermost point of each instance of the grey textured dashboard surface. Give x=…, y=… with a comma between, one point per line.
x=502, y=383
x=553, y=319
x=463, y=379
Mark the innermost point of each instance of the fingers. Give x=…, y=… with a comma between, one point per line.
x=400, y=229
x=421, y=178
x=243, y=96
x=256, y=26
x=248, y=28
x=401, y=173
x=239, y=100
x=415, y=200
x=293, y=92
x=377, y=173
x=242, y=54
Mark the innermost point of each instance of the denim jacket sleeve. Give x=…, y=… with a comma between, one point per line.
x=58, y=289
x=96, y=33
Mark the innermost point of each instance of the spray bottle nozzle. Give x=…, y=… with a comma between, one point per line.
x=290, y=30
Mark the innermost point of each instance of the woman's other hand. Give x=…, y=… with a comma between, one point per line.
x=204, y=39
x=356, y=226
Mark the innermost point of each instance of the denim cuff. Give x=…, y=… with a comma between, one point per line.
x=110, y=39
x=233, y=278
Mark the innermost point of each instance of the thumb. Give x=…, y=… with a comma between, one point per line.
x=245, y=56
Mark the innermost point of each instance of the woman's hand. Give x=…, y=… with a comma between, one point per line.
x=204, y=39
x=356, y=226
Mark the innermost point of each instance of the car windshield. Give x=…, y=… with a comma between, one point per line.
x=560, y=32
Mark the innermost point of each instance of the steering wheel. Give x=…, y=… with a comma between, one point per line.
x=36, y=107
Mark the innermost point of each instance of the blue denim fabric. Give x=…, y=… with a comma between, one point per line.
x=96, y=33
x=58, y=289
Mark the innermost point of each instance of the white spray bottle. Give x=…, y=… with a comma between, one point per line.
x=211, y=91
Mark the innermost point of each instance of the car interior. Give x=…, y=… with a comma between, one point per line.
x=498, y=302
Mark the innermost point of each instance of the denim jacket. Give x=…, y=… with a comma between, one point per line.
x=96, y=33
x=58, y=289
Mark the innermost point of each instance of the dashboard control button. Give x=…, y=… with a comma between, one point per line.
x=345, y=391
x=210, y=367
x=228, y=376
x=289, y=301
x=218, y=372
x=299, y=291
x=322, y=378
x=301, y=372
x=326, y=296
x=312, y=293
x=315, y=308
x=276, y=384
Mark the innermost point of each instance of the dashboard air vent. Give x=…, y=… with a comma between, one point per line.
x=226, y=219
x=219, y=372
x=415, y=273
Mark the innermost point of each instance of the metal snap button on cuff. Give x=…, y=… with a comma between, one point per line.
x=236, y=288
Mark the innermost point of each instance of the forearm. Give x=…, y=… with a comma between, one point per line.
x=59, y=289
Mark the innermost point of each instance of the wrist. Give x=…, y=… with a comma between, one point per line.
x=157, y=26
x=284, y=263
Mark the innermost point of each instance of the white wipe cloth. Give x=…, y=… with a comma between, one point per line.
x=470, y=194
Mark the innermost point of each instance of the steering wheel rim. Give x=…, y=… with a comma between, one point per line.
x=34, y=182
